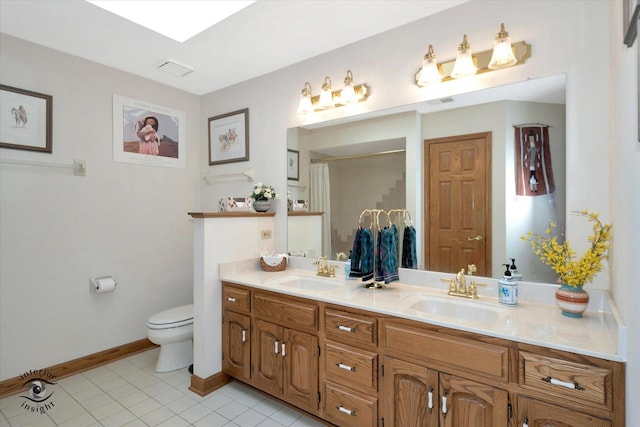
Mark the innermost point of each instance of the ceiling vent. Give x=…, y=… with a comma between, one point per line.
x=175, y=69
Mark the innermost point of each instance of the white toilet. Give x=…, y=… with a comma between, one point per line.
x=173, y=330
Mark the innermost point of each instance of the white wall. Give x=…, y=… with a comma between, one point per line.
x=58, y=229
x=624, y=166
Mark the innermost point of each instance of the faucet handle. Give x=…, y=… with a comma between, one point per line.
x=452, y=284
x=473, y=288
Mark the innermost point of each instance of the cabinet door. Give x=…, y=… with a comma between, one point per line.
x=300, y=355
x=410, y=395
x=236, y=347
x=533, y=413
x=466, y=403
x=267, y=340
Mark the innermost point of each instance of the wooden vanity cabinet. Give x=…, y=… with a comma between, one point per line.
x=425, y=384
x=355, y=368
x=236, y=333
x=285, y=357
x=350, y=368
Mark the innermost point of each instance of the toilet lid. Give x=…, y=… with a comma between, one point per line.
x=176, y=316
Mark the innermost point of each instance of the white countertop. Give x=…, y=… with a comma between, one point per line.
x=535, y=320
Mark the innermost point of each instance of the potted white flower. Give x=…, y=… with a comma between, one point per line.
x=262, y=195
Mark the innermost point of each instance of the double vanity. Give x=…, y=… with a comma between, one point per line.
x=410, y=355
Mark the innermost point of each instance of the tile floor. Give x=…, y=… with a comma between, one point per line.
x=130, y=393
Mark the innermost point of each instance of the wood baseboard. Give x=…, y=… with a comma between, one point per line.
x=204, y=386
x=62, y=370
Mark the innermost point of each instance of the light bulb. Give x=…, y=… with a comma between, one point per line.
x=502, y=56
x=464, y=66
x=429, y=74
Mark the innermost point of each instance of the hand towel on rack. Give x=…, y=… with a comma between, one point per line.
x=366, y=260
x=409, y=258
x=356, y=255
x=388, y=254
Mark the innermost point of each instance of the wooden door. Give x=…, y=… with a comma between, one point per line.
x=236, y=347
x=458, y=203
x=539, y=414
x=471, y=404
x=300, y=356
x=410, y=395
x=267, y=343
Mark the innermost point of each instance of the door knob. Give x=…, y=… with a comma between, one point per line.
x=477, y=238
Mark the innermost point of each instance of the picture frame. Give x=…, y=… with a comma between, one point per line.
x=26, y=120
x=166, y=146
x=630, y=12
x=229, y=137
x=293, y=165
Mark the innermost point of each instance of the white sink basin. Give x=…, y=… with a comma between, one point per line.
x=307, y=283
x=456, y=309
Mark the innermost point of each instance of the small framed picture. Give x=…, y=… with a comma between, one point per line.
x=229, y=137
x=25, y=119
x=630, y=11
x=293, y=166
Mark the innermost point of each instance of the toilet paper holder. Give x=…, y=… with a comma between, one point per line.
x=102, y=284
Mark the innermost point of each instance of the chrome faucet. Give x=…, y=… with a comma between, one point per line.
x=458, y=284
x=324, y=269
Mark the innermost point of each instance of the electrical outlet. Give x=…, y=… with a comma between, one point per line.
x=265, y=234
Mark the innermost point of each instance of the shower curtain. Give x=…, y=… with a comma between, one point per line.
x=320, y=201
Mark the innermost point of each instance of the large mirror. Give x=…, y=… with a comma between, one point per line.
x=382, y=162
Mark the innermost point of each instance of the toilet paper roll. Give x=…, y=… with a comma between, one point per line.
x=104, y=284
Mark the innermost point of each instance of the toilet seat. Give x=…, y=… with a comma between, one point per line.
x=172, y=318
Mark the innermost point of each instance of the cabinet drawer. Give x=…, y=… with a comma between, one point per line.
x=351, y=367
x=350, y=328
x=346, y=408
x=444, y=350
x=236, y=299
x=560, y=378
x=286, y=312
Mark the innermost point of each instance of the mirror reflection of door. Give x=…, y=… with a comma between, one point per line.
x=458, y=203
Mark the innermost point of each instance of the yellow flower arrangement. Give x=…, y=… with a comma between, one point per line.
x=561, y=258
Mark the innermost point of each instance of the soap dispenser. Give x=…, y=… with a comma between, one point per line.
x=508, y=288
x=514, y=270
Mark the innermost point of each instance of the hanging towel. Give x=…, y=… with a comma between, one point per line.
x=366, y=260
x=356, y=255
x=409, y=258
x=396, y=247
x=379, y=272
x=388, y=255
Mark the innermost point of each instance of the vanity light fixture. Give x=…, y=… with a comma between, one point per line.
x=350, y=94
x=326, y=96
x=430, y=72
x=305, y=106
x=464, y=66
x=503, y=55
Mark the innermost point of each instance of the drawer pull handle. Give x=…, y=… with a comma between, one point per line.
x=346, y=328
x=345, y=410
x=284, y=349
x=430, y=399
x=244, y=335
x=574, y=385
x=231, y=299
x=444, y=405
x=277, y=347
x=345, y=367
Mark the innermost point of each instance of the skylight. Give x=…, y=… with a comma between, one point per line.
x=178, y=20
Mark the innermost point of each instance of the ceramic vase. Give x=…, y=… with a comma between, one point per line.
x=261, y=205
x=573, y=301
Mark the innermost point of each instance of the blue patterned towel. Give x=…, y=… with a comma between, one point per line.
x=388, y=255
x=366, y=260
x=356, y=255
x=409, y=258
